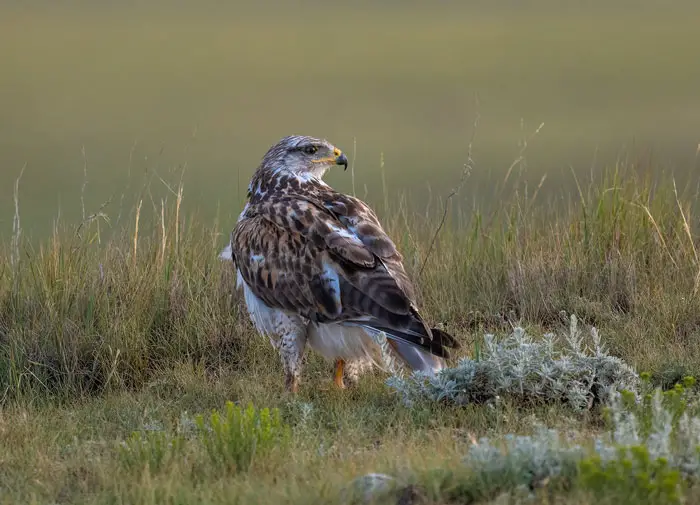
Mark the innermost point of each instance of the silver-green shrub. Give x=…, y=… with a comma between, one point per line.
x=649, y=452
x=527, y=370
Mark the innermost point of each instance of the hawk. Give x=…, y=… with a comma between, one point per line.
x=317, y=268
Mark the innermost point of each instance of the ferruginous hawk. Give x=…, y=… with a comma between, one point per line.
x=317, y=268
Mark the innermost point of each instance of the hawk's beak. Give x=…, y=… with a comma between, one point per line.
x=340, y=158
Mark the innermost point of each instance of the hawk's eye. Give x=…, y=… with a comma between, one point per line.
x=310, y=150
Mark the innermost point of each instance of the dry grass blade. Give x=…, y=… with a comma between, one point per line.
x=659, y=235
x=136, y=232
x=466, y=172
x=16, y=225
x=686, y=226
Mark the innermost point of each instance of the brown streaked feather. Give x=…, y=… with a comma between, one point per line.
x=297, y=265
x=356, y=216
x=318, y=226
x=302, y=236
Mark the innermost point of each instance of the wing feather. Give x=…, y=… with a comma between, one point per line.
x=325, y=256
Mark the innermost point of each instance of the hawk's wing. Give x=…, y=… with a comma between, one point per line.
x=326, y=257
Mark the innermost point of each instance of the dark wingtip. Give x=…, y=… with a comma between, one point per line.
x=439, y=345
x=444, y=339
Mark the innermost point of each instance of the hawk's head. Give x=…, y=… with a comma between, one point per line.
x=304, y=156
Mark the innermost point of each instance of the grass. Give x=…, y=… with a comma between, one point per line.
x=116, y=351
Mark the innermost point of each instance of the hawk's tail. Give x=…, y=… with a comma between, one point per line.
x=418, y=350
x=416, y=358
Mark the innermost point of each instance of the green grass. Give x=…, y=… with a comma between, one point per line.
x=140, y=332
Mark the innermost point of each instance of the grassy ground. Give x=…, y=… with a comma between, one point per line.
x=99, y=339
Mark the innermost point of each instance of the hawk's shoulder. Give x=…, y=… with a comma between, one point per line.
x=357, y=218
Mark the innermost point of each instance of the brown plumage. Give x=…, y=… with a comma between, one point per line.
x=317, y=265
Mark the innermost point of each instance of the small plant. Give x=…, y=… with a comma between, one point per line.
x=648, y=455
x=653, y=447
x=235, y=438
x=666, y=424
x=633, y=477
x=653, y=410
x=524, y=462
x=152, y=449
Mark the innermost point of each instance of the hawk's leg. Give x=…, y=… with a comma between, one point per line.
x=291, y=347
x=338, y=379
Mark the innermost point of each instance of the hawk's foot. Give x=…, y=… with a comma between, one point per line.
x=338, y=379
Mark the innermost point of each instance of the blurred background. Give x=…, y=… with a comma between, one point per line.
x=149, y=90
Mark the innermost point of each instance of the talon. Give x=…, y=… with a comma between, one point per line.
x=339, y=366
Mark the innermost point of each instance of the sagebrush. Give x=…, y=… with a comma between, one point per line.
x=527, y=370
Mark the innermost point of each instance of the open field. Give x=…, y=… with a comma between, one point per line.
x=151, y=87
x=122, y=340
x=97, y=343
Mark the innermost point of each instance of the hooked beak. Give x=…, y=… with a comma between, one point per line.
x=340, y=158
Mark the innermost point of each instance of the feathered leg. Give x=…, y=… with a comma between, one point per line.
x=287, y=333
x=349, y=371
x=355, y=368
x=291, y=347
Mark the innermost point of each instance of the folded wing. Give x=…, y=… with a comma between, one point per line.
x=325, y=256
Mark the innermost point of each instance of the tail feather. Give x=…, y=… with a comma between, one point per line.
x=418, y=350
x=416, y=358
x=439, y=345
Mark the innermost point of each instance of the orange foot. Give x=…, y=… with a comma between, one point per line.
x=338, y=379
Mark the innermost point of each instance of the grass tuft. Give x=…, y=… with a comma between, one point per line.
x=150, y=450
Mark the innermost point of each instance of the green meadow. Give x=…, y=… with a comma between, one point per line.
x=531, y=160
